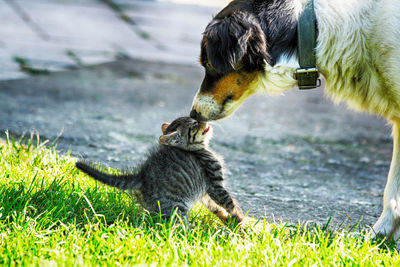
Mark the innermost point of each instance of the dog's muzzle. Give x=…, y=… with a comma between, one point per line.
x=197, y=116
x=205, y=109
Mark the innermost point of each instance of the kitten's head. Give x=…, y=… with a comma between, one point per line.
x=186, y=133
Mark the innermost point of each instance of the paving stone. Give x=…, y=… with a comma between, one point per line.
x=176, y=29
x=167, y=6
x=214, y=3
x=94, y=33
x=10, y=70
x=97, y=27
x=12, y=26
x=20, y=40
x=43, y=53
x=37, y=51
x=181, y=35
x=91, y=57
x=68, y=2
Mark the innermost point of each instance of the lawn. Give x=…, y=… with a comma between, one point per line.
x=52, y=214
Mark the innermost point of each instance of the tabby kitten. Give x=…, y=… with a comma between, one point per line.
x=178, y=173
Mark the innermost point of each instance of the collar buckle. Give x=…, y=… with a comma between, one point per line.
x=307, y=78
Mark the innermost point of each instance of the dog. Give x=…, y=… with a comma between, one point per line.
x=250, y=46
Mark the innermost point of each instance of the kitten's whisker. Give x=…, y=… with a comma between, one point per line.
x=220, y=127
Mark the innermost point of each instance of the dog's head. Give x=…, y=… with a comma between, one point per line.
x=233, y=54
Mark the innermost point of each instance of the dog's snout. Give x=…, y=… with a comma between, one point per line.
x=196, y=115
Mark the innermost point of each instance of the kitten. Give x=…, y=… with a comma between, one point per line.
x=178, y=173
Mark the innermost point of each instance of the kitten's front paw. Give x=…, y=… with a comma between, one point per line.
x=237, y=218
x=222, y=215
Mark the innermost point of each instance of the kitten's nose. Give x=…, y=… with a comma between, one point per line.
x=197, y=115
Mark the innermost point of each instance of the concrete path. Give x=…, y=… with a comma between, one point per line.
x=295, y=157
x=51, y=35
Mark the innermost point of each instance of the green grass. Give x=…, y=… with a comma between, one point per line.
x=52, y=214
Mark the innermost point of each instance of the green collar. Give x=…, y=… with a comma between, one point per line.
x=307, y=74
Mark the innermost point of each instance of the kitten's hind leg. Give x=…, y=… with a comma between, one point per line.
x=214, y=208
x=218, y=193
x=180, y=215
x=172, y=212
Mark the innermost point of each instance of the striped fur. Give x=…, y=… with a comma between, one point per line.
x=123, y=182
x=177, y=174
x=214, y=171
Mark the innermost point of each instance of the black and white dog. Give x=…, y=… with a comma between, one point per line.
x=250, y=46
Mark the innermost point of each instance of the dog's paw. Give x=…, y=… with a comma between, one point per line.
x=387, y=226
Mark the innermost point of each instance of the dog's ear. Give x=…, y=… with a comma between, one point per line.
x=235, y=38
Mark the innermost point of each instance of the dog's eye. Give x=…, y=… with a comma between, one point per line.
x=212, y=72
x=227, y=99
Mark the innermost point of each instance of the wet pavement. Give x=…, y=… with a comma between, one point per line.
x=297, y=157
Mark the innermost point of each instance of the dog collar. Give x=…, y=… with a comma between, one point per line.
x=307, y=75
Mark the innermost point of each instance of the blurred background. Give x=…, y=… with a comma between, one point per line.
x=51, y=35
x=99, y=77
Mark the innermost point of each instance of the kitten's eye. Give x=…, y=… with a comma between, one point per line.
x=177, y=139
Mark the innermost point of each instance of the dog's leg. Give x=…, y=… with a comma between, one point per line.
x=389, y=221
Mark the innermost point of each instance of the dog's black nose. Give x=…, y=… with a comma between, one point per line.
x=196, y=115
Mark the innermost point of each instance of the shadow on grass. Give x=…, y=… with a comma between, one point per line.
x=64, y=202
x=41, y=187
x=43, y=190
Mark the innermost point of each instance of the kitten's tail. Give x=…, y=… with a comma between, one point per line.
x=121, y=181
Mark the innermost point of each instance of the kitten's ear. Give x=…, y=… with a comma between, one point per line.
x=168, y=139
x=164, y=127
